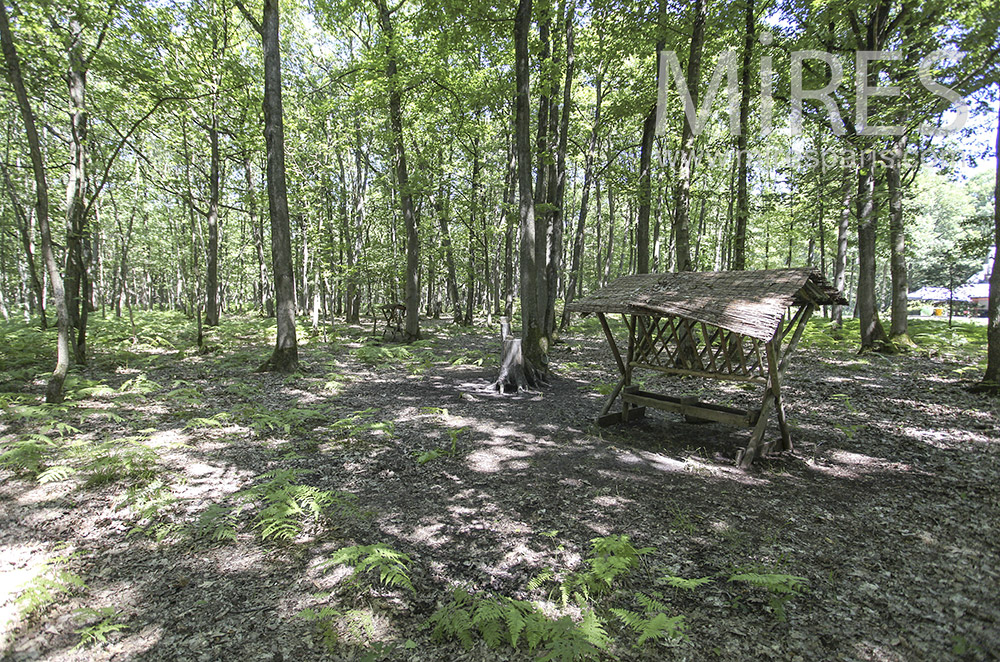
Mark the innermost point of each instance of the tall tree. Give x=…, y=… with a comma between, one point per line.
x=534, y=346
x=412, y=325
x=682, y=187
x=646, y=159
x=742, y=215
x=54, y=391
x=285, y=357
x=991, y=378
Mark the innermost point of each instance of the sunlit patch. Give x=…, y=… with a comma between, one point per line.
x=866, y=463
x=19, y=564
x=430, y=534
x=497, y=458
x=611, y=501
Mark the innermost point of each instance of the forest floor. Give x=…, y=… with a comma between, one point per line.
x=180, y=506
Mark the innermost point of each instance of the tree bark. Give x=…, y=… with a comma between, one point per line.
x=533, y=343
x=212, y=274
x=897, y=243
x=645, y=163
x=682, y=191
x=843, y=232
x=576, y=265
x=555, y=265
x=285, y=357
x=873, y=336
x=76, y=188
x=742, y=166
x=412, y=326
x=54, y=391
x=991, y=378
x=26, y=229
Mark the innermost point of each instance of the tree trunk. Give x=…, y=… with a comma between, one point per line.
x=76, y=187
x=555, y=265
x=534, y=347
x=991, y=379
x=576, y=266
x=843, y=231
x=645, y=164
x=26, y=229
x=873, y=336
x=285, y=357
x=897, y=244
x=212, y=274
x=682, y=191
x=743, y=173
x=412, y=325
x=54, y=391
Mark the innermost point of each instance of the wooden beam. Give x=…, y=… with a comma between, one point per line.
x=775, y=387
x=701, y=373
x=611, y=341
x=614, y=394
x=705, y=410
x=807, y=312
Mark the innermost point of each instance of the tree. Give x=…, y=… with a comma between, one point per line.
x=285, y=357
x=991, y=378
x=534, y=347
x=54, y=392
x=412, y=325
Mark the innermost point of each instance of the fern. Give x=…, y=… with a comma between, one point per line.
x=152, y=503
x=685, y=584
x=502, y=621
x=613, y=557
x=217, y=523
x=56, y=474
x=781, y=588
x=99, y=631
x=125, y=459
x=651, y=624
x=391, y=566
x=27, y=456
x=289, y=507
x=51, y=583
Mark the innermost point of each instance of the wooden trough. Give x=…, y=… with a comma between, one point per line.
x=734, y=325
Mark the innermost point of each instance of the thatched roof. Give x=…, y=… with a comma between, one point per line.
x=748, y=302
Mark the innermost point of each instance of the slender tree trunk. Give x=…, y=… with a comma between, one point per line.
x=441, y=210
x=743, y=167
x=412, y=327
x=76, y=187
x=555, y=265
x=285, y=357
x=682, y=190
x=534, y=346
x=576, y=266
x=991, y=378
x=212, y=274
x=897, y=243
x=25, y=227
x=510, y=226
x=873, y=336
x=843, y=233
x=645, y=165
x=54, y=392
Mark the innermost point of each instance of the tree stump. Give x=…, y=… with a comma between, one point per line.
x=516, y=373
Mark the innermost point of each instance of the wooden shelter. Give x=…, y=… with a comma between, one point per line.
x=719, y=325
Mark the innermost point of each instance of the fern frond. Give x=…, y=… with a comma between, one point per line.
x=775, y=583
x=683, y=583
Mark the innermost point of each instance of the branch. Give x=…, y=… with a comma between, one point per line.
x=253, y=21
x=114, y=155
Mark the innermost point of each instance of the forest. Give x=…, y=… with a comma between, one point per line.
x=289, y=367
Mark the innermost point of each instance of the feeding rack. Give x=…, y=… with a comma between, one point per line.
x=731, y=325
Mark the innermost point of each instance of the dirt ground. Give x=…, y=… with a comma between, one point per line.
x=889, y=507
